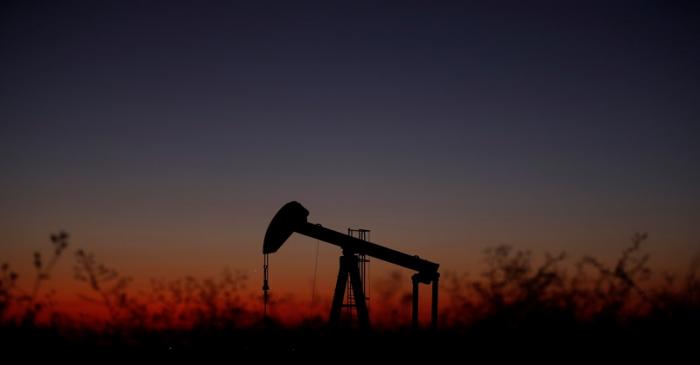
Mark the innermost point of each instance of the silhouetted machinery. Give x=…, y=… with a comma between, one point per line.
x=292, y=218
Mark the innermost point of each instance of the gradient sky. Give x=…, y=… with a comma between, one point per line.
x=165, y=135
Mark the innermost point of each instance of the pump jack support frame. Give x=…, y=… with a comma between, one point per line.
x=349, y=266
x=291, y=218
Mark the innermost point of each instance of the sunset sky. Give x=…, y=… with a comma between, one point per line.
x=164, y=135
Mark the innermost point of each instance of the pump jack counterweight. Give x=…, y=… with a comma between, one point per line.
x=291, y=218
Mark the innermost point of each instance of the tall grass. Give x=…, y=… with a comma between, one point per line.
x=515, y=293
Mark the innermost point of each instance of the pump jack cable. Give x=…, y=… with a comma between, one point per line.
x=266, y=286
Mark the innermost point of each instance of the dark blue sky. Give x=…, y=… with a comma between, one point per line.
x=545, y=124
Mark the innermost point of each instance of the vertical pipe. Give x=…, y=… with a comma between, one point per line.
x=434, y=309
x=414, y=313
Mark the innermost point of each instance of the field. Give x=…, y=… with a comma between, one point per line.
x=514, y=308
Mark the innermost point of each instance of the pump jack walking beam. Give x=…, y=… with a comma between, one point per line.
x=292, y=218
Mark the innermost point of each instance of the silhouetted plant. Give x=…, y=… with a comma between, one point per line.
x=8, y=289
x=106, y=282
x=678, y=301
x=515, y=295
x=190, y=302
x=513, y=290
x=28, y=304
x=616, y=289
x=392, y=300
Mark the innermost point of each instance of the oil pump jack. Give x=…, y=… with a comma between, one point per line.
x=291, y=218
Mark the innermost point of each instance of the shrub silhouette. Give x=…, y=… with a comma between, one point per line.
x=27, y=305
x=516, y=298
x=110, y=286
x=189, y=302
